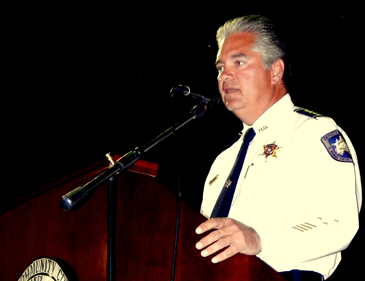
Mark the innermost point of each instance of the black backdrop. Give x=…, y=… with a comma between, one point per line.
x=87, y=80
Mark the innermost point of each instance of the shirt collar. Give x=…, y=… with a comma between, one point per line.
x=271, y=117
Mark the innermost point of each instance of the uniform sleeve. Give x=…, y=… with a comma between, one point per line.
x=329, y=200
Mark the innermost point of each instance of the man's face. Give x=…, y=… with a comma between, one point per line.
x=244, y=84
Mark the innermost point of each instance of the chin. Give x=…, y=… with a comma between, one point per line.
x=230, y=108
x=232, y=105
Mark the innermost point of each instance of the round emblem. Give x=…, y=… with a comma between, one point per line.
x=43, y=269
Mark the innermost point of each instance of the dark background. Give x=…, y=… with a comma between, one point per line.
x=90, y=79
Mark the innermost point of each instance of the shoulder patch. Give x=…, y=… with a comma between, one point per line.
x=308, y=112
x=336, y=146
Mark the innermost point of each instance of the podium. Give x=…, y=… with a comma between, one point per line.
x=145, y=230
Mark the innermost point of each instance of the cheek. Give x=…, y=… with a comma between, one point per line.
x=220, y=85
x=263, y=78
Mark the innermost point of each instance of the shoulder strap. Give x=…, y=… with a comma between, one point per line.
x=308, y=112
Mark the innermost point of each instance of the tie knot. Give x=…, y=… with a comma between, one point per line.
x=249, y=135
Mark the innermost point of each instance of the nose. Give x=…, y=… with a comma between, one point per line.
x=225, y=75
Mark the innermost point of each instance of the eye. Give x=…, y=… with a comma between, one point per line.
x=220, y=69
x=240, y=62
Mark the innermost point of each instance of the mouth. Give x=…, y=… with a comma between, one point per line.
x=229, y=90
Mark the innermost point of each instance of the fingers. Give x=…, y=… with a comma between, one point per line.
x=218, y=236
x=219, y=244
x=214, y=223
x=229, y=252
x=223, y=237
x=238, y=237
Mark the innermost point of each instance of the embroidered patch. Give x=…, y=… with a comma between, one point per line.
x=270, y=150
x=337, y=146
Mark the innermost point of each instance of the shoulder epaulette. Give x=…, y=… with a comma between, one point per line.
x=308, y=112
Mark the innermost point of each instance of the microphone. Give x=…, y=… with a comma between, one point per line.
x=70, y=199
x=185, y=90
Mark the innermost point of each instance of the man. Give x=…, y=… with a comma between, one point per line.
x=298, y=195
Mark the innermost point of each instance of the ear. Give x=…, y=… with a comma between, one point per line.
x=277, y=71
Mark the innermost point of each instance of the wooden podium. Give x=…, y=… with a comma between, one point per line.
x=146, y=215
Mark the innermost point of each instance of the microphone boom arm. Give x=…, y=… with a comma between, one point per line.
x=72, y=198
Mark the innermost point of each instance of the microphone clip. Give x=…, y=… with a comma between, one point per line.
x=185, y=90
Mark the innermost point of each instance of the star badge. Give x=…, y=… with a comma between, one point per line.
x=270, y=150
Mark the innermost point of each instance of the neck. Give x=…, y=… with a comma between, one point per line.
x=249, y=116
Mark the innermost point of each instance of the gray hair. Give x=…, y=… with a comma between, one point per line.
x=267, y=42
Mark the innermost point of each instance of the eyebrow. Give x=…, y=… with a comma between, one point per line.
x=234, y=56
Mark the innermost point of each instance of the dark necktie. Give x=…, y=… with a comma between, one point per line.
x=224, y=201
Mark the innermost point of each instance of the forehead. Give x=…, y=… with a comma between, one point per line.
x=236, y=42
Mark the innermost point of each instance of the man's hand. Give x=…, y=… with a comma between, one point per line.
x=238, y=237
